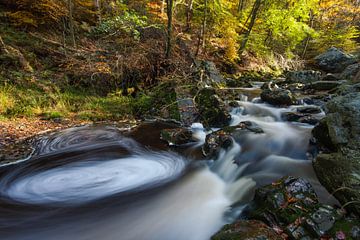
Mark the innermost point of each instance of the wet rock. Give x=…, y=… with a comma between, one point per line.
x=305, y=76
x=350, y=71
x=278, y=97
x=348, y=88
x=247, y=230
x=339, y=132
x=238, y=83
x=299, y=117
x=294, y=86
x=324, y=85
x=211, y=109
x=216, y=141
x=291, y=205
x=339, y=173
x=209, y=73
x=309, y=109
x=269, y=86
x=321, y=221
x=251, y=126
x=334, y=60
x=177, y=136
x=330, y=77
x=342, y=121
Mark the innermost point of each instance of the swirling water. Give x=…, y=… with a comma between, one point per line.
x=97, y=182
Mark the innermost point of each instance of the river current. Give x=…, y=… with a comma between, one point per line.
x=104, y=182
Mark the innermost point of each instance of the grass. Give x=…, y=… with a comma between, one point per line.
x=17, y=101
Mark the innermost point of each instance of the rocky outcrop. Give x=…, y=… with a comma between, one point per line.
x=291, y=207
x=338, y=135
x=324, y=85
x=247, y=230
x=278, y=97
x=350, y=71
x=305, y=76
x=211, y=109
x=176, y=136
x=334, y=60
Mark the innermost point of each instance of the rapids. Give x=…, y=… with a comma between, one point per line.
x=101, y=182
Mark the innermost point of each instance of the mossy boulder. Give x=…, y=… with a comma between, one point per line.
x=177, y=136
x=291, y=206
x=278, y=97
x=247, y=230
x=334, y=60
x=211, y=108
x=338, y=169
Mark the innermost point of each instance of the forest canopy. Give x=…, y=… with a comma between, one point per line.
x=227, y=28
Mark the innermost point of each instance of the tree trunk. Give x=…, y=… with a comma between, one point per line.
x=204, y=24
x=169, y=12
x=189, y=13
x=162, y=7
x=240, y=7
x=71, y=21
x=3, y=48
x=97, y=4
x=308, y=37
x=256, y=8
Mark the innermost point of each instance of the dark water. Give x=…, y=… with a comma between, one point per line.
x=101, y=182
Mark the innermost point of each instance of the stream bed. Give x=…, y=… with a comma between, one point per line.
x=105, y=182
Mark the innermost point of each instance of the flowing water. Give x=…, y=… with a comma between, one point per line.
x=100, y=182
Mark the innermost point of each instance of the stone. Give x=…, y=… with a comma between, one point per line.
x=299, y=117
x=305, y=76
x=176, y=136
x=338, y=169
x=211, y=108
x=309, y=109
x=247, y=230
x=278, y=97
x=291, y=206
x=339, y=173
x=350, y=71
x=251, y=126
x=324, y=85
x=216, y=141
x=330, y=77
x=334, y=60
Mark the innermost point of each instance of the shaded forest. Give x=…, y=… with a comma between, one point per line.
x=97, y=58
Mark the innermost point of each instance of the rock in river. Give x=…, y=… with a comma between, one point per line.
x=211, y=109
x=339, y=132
x=278, y=97
x=334, y=60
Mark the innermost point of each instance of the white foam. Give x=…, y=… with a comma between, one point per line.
x=85, y=181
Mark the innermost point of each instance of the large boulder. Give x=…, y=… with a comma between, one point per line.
x=350, y=71
x=305, y=76
x=278, y=97
x=291, y=206
x=247, y=230
x=324, y=85
x=334, y=60
x=338, y=134
x=211, y=108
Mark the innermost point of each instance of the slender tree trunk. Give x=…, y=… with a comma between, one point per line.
x=256, y=8
x=169, y=12
x=3, y=48
x=308, y=38
x=162, y=7
x=97, y=4
x=71, y=21
x=240, y=7
x=189, y=13
x=204, y=24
